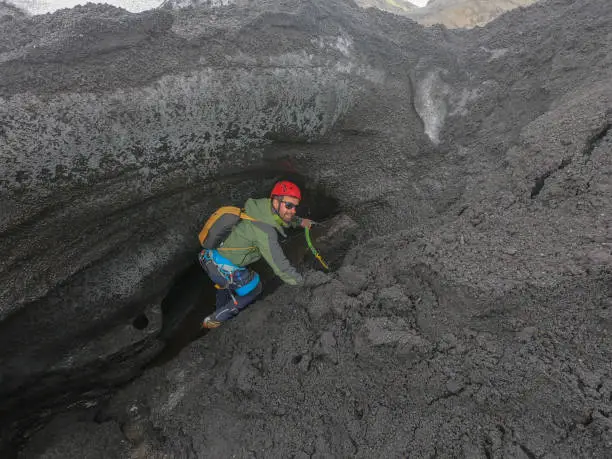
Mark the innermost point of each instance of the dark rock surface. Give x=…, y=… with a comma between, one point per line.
x=120, y=133
x=471, y=317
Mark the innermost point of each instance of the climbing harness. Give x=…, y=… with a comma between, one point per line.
x=233, y=274
x=313, y=250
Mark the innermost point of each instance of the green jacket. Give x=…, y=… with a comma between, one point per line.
x=250, y=241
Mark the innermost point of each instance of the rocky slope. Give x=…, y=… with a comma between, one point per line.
x=393, y=6
x=451, y=13
x=471, y=318
x=8, y=11
x=177, y=4
x=463, y=13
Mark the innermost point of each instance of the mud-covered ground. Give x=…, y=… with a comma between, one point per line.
x=471, y=316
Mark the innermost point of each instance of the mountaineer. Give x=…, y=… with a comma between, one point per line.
x=253, y=234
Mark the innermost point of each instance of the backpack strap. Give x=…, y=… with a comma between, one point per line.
x=218, y=214
x=246, y=217
x=243, y=216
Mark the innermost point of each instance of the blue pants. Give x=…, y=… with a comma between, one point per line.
x=229, y=299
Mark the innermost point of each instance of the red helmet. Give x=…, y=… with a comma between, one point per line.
x=286, y=188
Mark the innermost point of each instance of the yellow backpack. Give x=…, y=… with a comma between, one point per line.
x=220, y=224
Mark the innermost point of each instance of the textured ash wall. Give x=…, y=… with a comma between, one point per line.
x=470, y=319
x=121, y=132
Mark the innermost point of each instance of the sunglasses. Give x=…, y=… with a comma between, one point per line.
x=289, y=205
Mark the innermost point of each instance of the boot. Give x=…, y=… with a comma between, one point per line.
x=210, y=322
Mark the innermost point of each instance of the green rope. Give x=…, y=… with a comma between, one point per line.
x=313, y=250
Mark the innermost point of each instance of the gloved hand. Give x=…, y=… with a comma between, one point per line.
x=307, y=223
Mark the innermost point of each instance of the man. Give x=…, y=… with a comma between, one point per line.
x=249, y=241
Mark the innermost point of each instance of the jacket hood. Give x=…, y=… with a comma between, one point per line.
x=261, y=209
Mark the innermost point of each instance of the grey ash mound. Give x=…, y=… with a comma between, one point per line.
x=471, y=315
